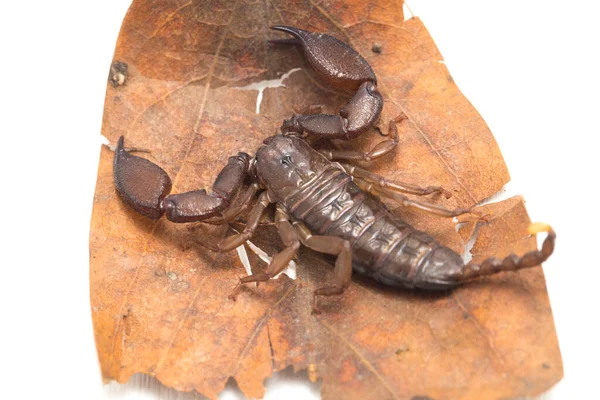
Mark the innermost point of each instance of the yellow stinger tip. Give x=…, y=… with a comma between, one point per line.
x=538, y=227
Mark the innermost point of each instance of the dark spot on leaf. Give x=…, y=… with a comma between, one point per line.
x=401, y=350
x=180, y=286
x=118, y=73
x=465, y=315
x=545, y=365
x=421, y=398
x=406, y=86
x=450, y=79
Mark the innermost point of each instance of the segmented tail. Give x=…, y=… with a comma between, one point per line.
x=493, y=265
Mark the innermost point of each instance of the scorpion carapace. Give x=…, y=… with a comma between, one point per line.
x=328, y=206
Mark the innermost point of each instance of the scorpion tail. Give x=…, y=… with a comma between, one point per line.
x=493, y=265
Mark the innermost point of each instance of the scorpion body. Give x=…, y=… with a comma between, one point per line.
x=383, y=246
x=322, y=203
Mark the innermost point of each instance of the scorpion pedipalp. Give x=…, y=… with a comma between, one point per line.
x=342, y=67
x=146, y=187
x=335, y=61
x=140, y=183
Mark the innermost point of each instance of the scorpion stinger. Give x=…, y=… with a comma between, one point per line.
x=342, y=67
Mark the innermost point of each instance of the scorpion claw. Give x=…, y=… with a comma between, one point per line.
x=140, y=183
x=331, y=58
x=284, y=41
x=291, y=126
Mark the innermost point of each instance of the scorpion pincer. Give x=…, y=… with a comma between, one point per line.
x=321, y=203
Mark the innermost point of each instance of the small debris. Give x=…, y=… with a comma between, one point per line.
x=118, y=73
x=243, y=255
x=265, y=84
x=172, y=276
x=376, y=48
x=312, y=372
x=180, y=286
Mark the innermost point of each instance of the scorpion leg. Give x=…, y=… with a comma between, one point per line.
x=414, y=204
x=379, y=150
x=342, y=67
x=314, y=109
x=343, y=265
x=396, y=186
x=146, y=187
x=233, y=241
x=231, y=213
x=356, y=117
x=282, y=259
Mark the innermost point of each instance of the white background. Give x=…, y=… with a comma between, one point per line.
x=530, y=67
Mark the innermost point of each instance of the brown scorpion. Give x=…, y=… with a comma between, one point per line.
x=329, y=207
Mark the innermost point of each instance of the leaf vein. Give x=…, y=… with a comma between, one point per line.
x=169, y=17
x=362, y=359
x=259, y=328
x=480, y=329
x=181, y=322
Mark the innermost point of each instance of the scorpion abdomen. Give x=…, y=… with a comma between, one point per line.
x=384, y=247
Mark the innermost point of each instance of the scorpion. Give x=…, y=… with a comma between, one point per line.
x=326, y=205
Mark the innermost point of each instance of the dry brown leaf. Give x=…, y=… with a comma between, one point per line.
x=159, y=300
